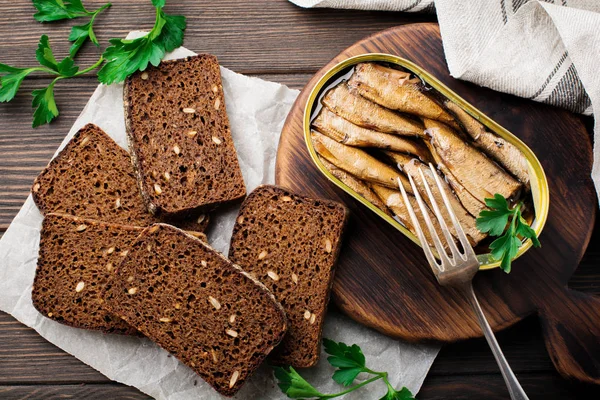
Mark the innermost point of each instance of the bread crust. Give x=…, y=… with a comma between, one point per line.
x=300, y=274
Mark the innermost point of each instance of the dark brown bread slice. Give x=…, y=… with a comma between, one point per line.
x=197, y=305
x=291, y=243
x=76, y=258
x=93, y=177
x=177, y=124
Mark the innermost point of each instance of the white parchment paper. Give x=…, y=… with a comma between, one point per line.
x=257, y=110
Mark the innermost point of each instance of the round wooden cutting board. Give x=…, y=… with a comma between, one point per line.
x=383, y=279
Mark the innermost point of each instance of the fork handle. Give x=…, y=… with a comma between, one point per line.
x=514, y=387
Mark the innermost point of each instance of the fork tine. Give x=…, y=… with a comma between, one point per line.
x=424, y=244
x=462, y=237
x=433, y=234
x=441, y=220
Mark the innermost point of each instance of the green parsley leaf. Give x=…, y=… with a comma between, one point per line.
x=159, y=3
x=498, y=202
x=171, y=36
x=343, y=355
x=11, y=79
x=44, y=53
x=46, y=109
x=79, y=35
x=293, y=385
x=345, y=376
x=56, y=10
x=403, y=394
x=505, y=248
x=45, y=57
x=492, y=221
x=126, y=56
x=524, y=230
x=495, y=222
x=349, y=360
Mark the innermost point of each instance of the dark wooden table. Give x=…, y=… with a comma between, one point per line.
x=271, y=39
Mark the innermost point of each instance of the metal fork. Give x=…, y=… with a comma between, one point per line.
x=458, y=270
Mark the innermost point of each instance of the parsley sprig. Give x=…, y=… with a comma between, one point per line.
x=349, y=362
x=57, y=10
x=120, y=60
x=43, y=99
x=509, y=225
x=125, y=56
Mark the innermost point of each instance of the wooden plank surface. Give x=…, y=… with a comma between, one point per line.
x=268, y=38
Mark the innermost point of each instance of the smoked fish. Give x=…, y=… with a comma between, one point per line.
x=466, y=220
x=474, y=171
x=357, y=185
x=395, y=90
x=357, y=162
x=494, y=146
x=363, y=112
x=393, y=199
x=345, y=132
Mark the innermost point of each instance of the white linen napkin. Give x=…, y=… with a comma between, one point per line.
x=545, y=51
x=257, y=110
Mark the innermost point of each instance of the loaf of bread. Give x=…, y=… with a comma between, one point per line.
x=93, y=177
x=291, y=243
x=180, y=138
x=197, y=305
x=76, y=258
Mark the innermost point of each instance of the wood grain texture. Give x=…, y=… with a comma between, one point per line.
x=77, y=392
x=484, y=386
x=275, y=40
x=492, y=387
x=382, y=279
x=571, y=325
x=27, y=358
x=249, y=37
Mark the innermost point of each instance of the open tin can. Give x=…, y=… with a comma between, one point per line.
x=538, y=182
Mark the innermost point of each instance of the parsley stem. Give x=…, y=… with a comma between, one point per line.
x=370, y=371
x=387, y=382
x=44, y=69
x=93, y=13
x=515, y=212
x=98, y=11
x=158, y=24
x=91, y=68
x=353, y=388
x=58, y=78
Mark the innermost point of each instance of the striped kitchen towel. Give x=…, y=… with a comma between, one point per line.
x=545, y=51
x=382, y=5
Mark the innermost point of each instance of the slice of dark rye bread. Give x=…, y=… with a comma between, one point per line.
x=197, y=305
x=93, y=177
x=177, y=125
x=76, y=258
x=291, y=243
